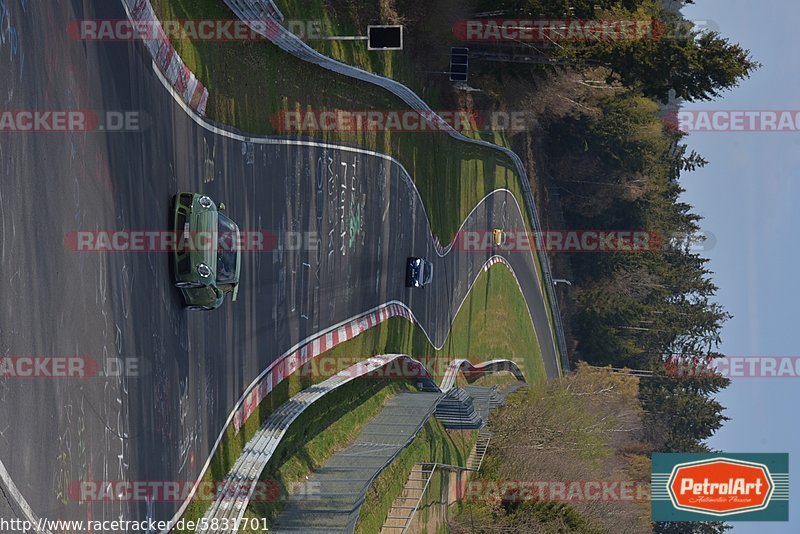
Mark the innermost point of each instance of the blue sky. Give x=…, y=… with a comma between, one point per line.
x=749, y=195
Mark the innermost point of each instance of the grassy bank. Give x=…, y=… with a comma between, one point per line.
x=493, y=323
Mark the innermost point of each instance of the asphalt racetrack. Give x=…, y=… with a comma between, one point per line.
x=116, y=307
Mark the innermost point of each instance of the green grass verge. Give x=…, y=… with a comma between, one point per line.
x=352, y=20
x=432, y=444
x=493, y=323
x=428, y=38
x=250, y=83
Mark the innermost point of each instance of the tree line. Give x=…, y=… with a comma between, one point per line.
x=618, y=165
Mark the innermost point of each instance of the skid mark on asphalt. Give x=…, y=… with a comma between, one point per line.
x=163, y=392
x=210, y=399
x=258, y=256
x=248, y=151
x=115, y=418
x=76, y=196
x=378, y=271
x=102, y=172
x=73, y=457
x=413, y=210
x=9, y=38
x=126, y=290
x=9, y=169
x=189, y=433
x=2, y=221
x=101, y=289
x=112, y=453
x=208, y=162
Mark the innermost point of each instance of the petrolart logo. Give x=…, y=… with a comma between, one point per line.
x=733, y=487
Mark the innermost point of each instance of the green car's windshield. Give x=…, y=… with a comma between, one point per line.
x=226, y=251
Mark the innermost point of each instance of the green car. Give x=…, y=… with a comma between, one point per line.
x=206, y=261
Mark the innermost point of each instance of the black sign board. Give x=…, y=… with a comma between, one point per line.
x=385, y=37
x=459, y=64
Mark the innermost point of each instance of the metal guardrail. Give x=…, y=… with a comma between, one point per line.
x=240, y=484
x=467, y=368
x=261, y=10
x=278, y=14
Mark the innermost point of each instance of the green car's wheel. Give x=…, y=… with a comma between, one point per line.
x=187, y=285
x=198, y=308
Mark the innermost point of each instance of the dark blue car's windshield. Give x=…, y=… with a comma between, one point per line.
x=428, y=272
x=226, y=252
